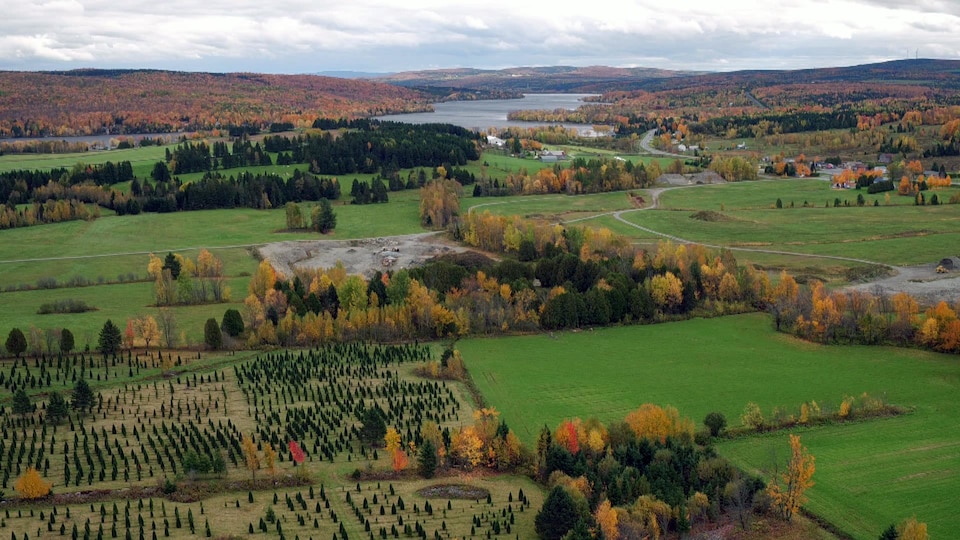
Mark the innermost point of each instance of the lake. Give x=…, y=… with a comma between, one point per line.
x=492, y=113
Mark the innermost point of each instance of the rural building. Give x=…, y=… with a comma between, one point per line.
x=886, y=158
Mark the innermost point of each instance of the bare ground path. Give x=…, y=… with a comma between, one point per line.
x=921, y=282
x=645, y=144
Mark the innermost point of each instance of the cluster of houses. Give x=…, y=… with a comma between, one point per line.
x=859, y=168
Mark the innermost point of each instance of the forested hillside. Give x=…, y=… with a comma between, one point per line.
x=84, y=102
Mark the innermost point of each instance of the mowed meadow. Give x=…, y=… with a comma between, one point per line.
x=745, y=215
x=109, y=256
x=870, y=473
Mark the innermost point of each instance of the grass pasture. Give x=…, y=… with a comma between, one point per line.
x=744, y=215
x=869, y=474
x=112, y=248
x=554, y=207
x=142, y=159
x=890, y=235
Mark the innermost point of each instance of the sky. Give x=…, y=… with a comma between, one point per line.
x=311, y=36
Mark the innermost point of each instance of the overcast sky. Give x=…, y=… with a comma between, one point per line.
x=308, y=36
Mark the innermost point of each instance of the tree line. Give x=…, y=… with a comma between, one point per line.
x=812, y=312
x=18, y=187
x=594, y=175
x=564, y=278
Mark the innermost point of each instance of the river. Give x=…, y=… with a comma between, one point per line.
x=492, y=113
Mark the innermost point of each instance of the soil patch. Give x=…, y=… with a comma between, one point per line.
x=453, y=491
x=710, y=215
x=922, y=282
x=361, y=256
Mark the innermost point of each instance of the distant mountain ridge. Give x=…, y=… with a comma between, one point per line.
x=591, y=79
x=599, y=79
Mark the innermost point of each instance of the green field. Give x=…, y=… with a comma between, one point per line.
x=744, y=215
x=553, y=207
x=115, y=247
x=142, y=159
x=869, y=474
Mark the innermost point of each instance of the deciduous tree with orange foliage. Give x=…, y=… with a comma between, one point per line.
x=657, y=423
x=31, y=486
x=787, y=489
x=399, y=461
x=606, y=518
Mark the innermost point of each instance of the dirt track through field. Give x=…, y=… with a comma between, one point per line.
x=921, y=282
x=367, y=255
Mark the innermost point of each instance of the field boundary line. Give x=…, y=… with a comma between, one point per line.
x=101, y=255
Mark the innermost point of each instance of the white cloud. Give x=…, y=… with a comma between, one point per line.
x=379, y=35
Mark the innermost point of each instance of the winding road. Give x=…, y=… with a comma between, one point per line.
x=919, y=281
x=915, y=279
x=645, y=144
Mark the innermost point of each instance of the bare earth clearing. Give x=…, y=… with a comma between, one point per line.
x=360, y=256
x=922, y=282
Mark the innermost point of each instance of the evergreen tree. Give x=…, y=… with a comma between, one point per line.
x=232, y=323
x=890, y=533
x=374, y=427
x=558, y=515
x=324, y=220
x=580, y=531
x=110, y=339
x=427, y=459
x=379, y=191
x=66, y=341
x=82, y=396
x=21, y=402
x=212, y=335
x=16, y=342
x=171, y=263
x=56, y=408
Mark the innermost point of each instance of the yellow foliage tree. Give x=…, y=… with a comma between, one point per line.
x=269, y=458
x=467, y=445
x=752, y=416
x=911, y=529
x=667, y=291
x=606, y=517
x=392, y=440
x=263, y=280
x=787, y=489
x=657, y=423
x=146, y=328
x=250, y=455
x=697, y=506
x=31, y=486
